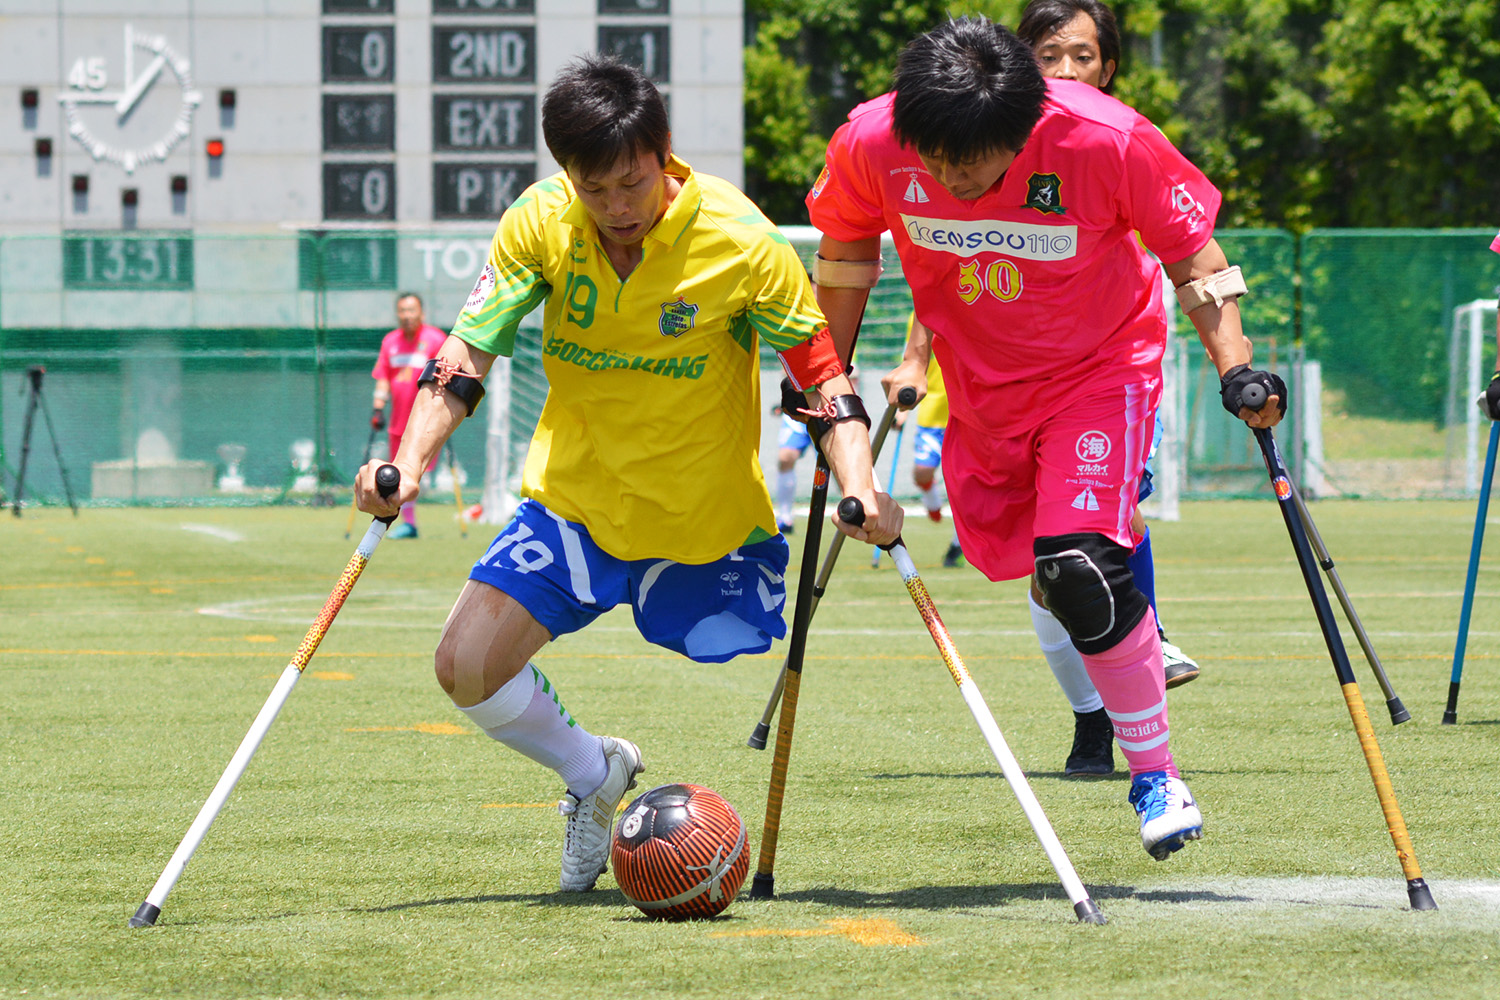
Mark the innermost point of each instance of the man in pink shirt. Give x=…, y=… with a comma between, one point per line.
x=1013, y=203
x=403, y=353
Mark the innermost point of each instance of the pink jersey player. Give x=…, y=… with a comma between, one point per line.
x=404, y=352
x=1013, y=202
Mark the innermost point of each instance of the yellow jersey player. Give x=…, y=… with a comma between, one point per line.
x=642, y=485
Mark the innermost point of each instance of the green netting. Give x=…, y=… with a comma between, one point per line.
x=161, y=347
x=1377, y=307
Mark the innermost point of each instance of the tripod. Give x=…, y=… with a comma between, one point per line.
x=34, y=376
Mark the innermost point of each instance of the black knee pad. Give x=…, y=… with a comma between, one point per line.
x=1086, y=583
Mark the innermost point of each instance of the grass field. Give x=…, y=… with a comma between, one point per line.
x=379, y=846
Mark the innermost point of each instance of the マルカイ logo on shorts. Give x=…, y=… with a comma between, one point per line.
x=1044, y=193
x=676, y=317
x=1092, y=446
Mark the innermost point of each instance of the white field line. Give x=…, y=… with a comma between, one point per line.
x=1321, y=891
x=217, y=532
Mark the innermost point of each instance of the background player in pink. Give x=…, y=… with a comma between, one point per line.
x=1013, y=203
x=403, y=353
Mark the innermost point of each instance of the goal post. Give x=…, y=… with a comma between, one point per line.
x=1473, y=327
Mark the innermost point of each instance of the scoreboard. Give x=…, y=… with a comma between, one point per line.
x=216, y=115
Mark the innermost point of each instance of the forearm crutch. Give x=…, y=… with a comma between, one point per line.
x=905, y=399
x=1254, y=397
x=387, y=479
x=1398, y=711
x=851, y=512
x=763, y=885
x=890, y=482
x=1450, y=714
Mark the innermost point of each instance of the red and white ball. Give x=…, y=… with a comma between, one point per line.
x=679, y=852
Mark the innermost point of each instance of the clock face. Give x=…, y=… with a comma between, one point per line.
x=143, y=118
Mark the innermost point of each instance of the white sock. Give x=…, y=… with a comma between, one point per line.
x=931, y=498
x=526, y=716
x=786, y=494
x=1065, y=660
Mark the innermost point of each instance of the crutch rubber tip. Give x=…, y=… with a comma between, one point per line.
x=763, y=886
x=1450, y=718
x=1089, y=913
x=147, y=914
x=1398, y=711
x=757, y=739
x=1420, y=895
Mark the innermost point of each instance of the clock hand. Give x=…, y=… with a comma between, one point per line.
x=136, y=90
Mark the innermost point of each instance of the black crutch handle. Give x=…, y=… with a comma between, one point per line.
x=852, y=512
x=907, y=397
x=1253, y=396
x=387, y=481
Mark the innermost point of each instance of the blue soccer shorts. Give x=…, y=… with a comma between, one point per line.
x=927, y=449
x=793, y=434
x=710, y=612
x=1148, y=486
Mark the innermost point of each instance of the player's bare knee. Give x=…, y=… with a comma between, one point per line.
x=1087, y=585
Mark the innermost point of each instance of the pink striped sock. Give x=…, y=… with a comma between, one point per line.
x=1129, y=678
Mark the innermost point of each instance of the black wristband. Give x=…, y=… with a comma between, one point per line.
x=467, y=388
x=848, y=407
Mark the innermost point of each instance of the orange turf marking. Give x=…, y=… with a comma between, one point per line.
x=259, y=638
x=162, y=590
x=519, y=805
x=431, y=728
x=331, y=675
x=95, y=560
x=869, y=933
x=73, y=550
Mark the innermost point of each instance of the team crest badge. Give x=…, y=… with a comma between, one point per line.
x=676, y=318
x=1044, y=193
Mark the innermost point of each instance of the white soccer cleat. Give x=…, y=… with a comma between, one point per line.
x=1169, y=816
x=591, y=819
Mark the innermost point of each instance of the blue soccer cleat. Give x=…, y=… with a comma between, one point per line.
x=1169, y=816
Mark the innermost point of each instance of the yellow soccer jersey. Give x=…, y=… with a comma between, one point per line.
x=650, y=433
x=932, y=411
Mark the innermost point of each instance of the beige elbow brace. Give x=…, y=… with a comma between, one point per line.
x=845, y=273
x=1216, y=288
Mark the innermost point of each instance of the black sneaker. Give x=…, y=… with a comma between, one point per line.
x=1093, y=746
x=954, y=556
x=1178, y=667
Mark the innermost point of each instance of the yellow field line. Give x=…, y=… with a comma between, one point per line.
x=870, y=933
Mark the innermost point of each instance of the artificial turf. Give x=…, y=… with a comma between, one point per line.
x=380, y=846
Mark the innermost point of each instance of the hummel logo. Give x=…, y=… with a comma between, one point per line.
x=715, y=868
x=1052, y=571
x=1086, y=500
x=914, y=192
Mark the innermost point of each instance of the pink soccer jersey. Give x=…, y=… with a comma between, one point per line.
x=1495, y=243
x=1040, y=283
x=400, y=363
